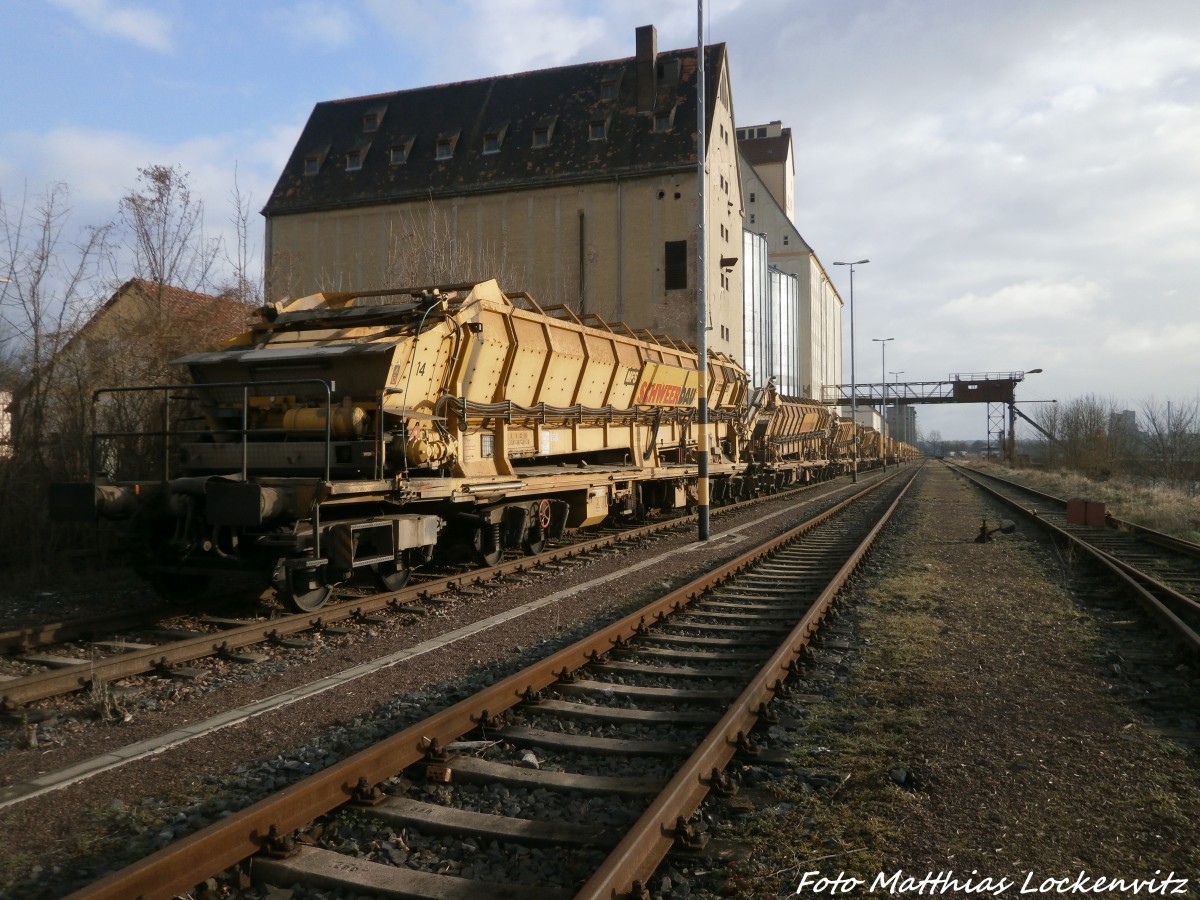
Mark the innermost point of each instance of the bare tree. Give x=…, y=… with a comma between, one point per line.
x=50, y=277
x=246, y=285
x=48, y=292
x=1048, y=417
x=424, y=249
x=164, y=229
x=1172, y=438
x=1084, y=436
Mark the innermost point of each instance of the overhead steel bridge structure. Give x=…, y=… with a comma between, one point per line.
x=996, y=389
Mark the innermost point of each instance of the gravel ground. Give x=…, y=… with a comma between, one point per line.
x=970, y=713
x=995, y=732
x=71, y=836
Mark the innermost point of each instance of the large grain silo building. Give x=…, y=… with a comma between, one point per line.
x=577, y=184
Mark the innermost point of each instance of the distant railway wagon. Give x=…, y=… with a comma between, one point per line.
x=364, y=434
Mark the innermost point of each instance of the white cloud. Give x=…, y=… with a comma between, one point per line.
x=145, y=27
x=1154, y=340
x=1030, y=304
x=100, y=167
x=464, y=39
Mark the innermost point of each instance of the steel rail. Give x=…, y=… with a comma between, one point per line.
x=179, y=867
x=644, y=846
x=1185, y=547
x=1129, y=575
x=56, y=682
x=40, y=634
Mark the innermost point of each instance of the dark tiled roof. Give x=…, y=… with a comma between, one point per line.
x=206, y=317
x=567, y=100
x=760, y=151
x=193, y=320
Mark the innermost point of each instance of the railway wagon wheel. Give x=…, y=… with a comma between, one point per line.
x=540, y=514
x=488, y=544
x=305, y=589
x=391, y=576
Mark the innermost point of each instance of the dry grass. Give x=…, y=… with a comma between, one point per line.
x=1162, y=508
x=977, y=678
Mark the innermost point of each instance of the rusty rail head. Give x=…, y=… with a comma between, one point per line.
x=41, y=685
x=641, y=850
x=1133, y=578
x=179, y=867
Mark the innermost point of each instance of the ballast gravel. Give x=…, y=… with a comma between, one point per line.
x=73, y=836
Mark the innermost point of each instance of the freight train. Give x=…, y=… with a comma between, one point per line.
x=361, y=435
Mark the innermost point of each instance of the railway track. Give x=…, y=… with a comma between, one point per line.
x=104, y=650
x=643, y=691
x=1162, y=571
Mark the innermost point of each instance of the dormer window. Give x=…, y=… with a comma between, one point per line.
x=608, y=89
x=445, y=145
x=543, y=131
x=668, y=71
x=597, y=129
x=664, y=119
x=398, y=152
x=355, y=158
x=312, y=164
x=494, y=139
x=373, y=118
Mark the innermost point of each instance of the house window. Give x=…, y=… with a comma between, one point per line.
x=543, y=130
x=371, y=121
x=312, y=165
x=597, y=130
x=751, y=218
x=355, y=158
x=675, y=265
x=785, y=240
x=398, y=154
x=752, y=196
x=445, y=148
x=762, y=132
x=493, y=137
x=665, y=118
x=608, y=89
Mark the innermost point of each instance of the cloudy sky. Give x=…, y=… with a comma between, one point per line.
x=1023, y=175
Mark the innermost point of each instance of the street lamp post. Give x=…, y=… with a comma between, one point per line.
x=853, y=379
x=883, y=342
x=901, y=420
